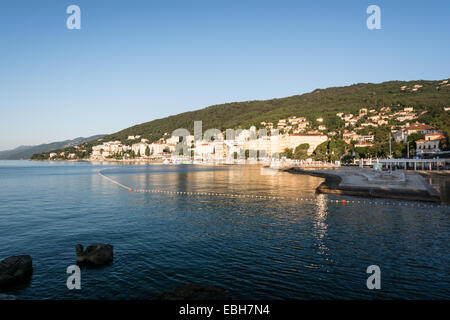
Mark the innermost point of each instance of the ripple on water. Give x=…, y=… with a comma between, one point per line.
x=273, y=249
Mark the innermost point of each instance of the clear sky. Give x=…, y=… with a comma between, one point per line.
x=134, y=61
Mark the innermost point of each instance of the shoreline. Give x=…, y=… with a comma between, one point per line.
x=333, y=184
x=99, y=161
x=143, y=162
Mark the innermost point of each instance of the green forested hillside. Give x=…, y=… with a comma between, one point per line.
x=323, y=103
x=428, y=102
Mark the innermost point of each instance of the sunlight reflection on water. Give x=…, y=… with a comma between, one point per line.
x=255, y=248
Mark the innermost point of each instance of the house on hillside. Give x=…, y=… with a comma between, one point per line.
x=401, y=136
x=366, y=138
x=363, y=144
x=435, y=137
x=348, y=116
x=427, y=146
x=312, y=138
x=420, y=127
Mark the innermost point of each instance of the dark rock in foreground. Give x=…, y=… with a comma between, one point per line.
x=96, y=254
x=195, y=291
x=15, y=270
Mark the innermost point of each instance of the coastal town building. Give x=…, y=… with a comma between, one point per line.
x=139, y=148
x=158, y=148
x=107, y=149
x=348, y=136
x=293, y=140
x=366, y=138
x=434, y=136
x=363, y=144
x=348, y=116
x=369, y=124
x=363, y=111
x=427, y=146
x=401, y=136
x=419, y=127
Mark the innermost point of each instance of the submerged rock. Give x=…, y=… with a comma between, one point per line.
x=96, y=254
x=15, y=270
x=195, y=291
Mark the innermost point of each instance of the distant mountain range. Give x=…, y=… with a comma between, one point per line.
x=25, y=152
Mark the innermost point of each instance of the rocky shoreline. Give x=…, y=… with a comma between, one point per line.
x=334, y=184
x=16, y=272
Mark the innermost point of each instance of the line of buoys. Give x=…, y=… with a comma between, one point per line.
x=115, y=182
x=216, y=194
x=302, y=199
x=379, y=202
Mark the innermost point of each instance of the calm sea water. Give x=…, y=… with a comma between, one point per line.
x=271, y=249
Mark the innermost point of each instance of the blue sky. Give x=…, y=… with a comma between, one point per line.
x=134, y=61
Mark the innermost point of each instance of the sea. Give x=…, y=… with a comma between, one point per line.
x=258, y=233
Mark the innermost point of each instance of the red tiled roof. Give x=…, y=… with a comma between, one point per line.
x=307, y=134
x=435, y=136
x=419, y=126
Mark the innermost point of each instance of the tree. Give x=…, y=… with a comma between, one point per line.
x=320, y=157
x=301, y=151
x=147, y=151
x=444, y=144
x=363, y=152
x=348, y=158
x=413, y=137
x=321, y=152
x=288, y=153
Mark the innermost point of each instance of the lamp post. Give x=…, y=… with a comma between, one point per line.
x=390, y=154
x=407, y=147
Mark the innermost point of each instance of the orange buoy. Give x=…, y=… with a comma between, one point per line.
x=131, y=189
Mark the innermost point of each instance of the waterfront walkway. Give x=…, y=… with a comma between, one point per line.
x=412, y=164
x=371, y=183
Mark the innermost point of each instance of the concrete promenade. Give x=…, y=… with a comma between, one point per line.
x=370, y=183
x=410, y=164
